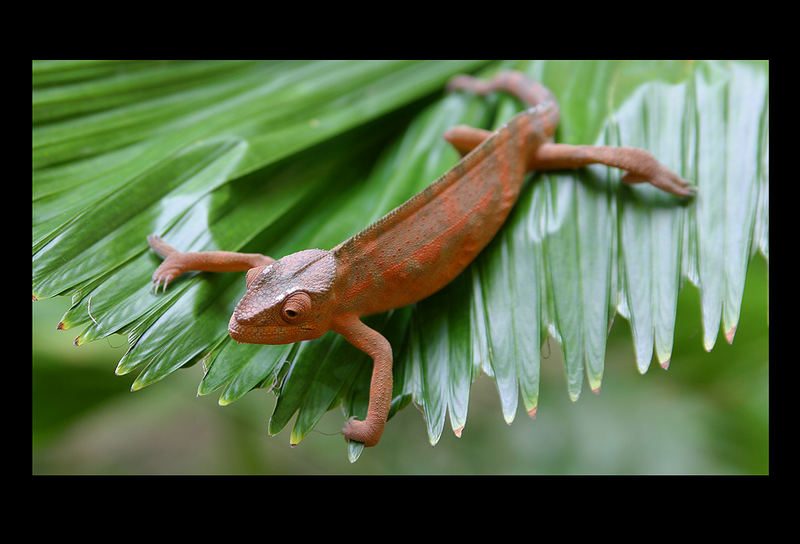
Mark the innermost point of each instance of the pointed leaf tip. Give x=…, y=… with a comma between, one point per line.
x=458, y=431
x=532, y=412
x=121, y=370
x=729, y=334
x=136, y=385
x=60, y=326
x=665, y=364
x=596, y=390
x=354, y=450
x=295, y=438
x=708, y=344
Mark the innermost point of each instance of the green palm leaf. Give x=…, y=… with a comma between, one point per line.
x=277, y=157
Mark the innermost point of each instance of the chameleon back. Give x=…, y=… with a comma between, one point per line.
x=422, y=245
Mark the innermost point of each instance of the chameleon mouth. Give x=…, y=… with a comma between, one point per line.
x=236, y=332
x=270, y=334
x=244, y=333
x=251, y=335
x=259, y=334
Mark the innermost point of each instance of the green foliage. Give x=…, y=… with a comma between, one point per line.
x=282, y=156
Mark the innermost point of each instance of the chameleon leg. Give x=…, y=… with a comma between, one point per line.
x=376, y=346
x=465, y=138
x=640, y=165
x=176, y=262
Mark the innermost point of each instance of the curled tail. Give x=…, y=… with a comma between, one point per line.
x=531, y=92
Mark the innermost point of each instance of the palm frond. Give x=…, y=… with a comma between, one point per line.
x=281, y=156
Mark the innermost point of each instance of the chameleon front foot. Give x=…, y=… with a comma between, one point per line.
x=164, y=274
x=363, y=431
x=170, y=268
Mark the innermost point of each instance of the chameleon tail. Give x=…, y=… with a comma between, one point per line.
x=530, y=92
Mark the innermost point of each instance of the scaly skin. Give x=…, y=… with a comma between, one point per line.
x=414, y=250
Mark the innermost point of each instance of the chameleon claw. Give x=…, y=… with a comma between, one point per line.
x=160, y=282
x=682, y=188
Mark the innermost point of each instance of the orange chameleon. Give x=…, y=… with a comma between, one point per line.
x=413, y=251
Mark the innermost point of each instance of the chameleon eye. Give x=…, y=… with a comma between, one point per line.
x=295, y=307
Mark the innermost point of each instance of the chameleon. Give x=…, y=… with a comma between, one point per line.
x=414, y=250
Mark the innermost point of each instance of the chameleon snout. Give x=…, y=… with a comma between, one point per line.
x=257, y=331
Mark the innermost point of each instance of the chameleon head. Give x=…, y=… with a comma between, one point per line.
x=286, y=301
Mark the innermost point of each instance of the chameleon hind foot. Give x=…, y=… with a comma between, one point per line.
x=640, y=166
x=658, y=175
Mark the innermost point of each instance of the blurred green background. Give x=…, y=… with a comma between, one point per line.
x=707, y=414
